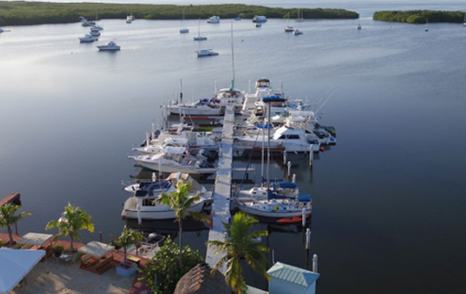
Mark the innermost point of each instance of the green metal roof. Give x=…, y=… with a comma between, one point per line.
x=293, y=274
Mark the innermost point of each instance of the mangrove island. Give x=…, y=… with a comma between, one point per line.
x=419, y=16
x=30, y=13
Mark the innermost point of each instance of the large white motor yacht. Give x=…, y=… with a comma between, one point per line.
x=143, y=204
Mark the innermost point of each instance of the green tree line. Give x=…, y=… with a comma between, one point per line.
x=29, y=13
x=419, y=16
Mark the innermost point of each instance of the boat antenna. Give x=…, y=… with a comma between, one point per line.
x=232, y=59
x=181, y=90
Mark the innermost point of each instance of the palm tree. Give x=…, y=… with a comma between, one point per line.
x=241, y=244
x=126, y=238
x=180, y=201
x=9, y=217
x=71, y=222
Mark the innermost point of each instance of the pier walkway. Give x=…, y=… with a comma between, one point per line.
x=222, y=191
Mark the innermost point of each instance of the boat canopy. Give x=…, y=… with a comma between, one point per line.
x=264, y=126
x=175, y=141
x=273, y=98
x=304, y=198
x=287, y=185
x=147, y=189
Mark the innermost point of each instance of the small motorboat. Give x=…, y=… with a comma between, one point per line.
x=184, y=30
x=214, y=19
x=94, y=33
x=129, y=18
x=297, y=32
x=110, y=46
x=359, y=27
x=200, y=38
x=96, y=28
x=289, y=29
x=258, y=25
x=259, y=19
x=206, y=53
x=88, y=38
x=87, y=23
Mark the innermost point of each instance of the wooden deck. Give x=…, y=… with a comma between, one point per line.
x=222, y=191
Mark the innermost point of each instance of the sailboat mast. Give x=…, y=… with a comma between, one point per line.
x=269, y=125
x=181, y=90
x=232, y=59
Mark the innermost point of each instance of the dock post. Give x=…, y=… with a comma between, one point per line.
x=311, y=154
x=303, y=217
x=314, y=263
x=284, y=157
x=293, y=179
x=101, y=236
x=289, y=169
x=273, y=256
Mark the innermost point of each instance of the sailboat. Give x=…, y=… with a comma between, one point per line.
x=464, y=21
x=427, y=25
x=183, y=30
x=359, y=27
x=288, y=28
x=199, y=37
x=300, y=16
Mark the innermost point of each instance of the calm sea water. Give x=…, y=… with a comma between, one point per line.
x=390, y=206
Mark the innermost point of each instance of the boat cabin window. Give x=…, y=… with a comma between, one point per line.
x=293, y=136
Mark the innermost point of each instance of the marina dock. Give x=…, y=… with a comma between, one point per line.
x=222, y=191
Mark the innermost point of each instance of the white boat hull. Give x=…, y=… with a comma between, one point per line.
x=194, y=111
x=160, y=212
x=166, y=168
x=272, y=214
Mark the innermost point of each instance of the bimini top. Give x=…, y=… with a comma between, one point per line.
x=292, y=274
x=273, y=98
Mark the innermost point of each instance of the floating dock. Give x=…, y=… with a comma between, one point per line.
x=222, y=190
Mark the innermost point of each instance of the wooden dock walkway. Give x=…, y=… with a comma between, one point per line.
x=222, y=191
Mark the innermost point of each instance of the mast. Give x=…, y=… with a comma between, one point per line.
x=199, y=29
x=181, y=90
x=268, y=145
x=232, y=59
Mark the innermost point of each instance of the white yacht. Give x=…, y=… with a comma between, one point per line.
x=175, y=159
x=202, y=107
x=130, y=18
x=206, y=53
x=191, y=141
x=277, y=210
x=110, y=46
x=290, y=139
x=214, y=19
x=144, y=205
x=297, y=32
x=289, y=29
x=88, y=38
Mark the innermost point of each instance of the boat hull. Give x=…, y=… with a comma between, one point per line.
x=158, y=213
x=165, y=168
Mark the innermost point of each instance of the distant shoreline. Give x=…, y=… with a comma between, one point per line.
x=419, y=16
x=31, y=13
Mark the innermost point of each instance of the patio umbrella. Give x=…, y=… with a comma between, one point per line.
x=15, y=264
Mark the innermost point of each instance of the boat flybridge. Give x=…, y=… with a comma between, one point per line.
x=144, y=203
x=175, y=159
